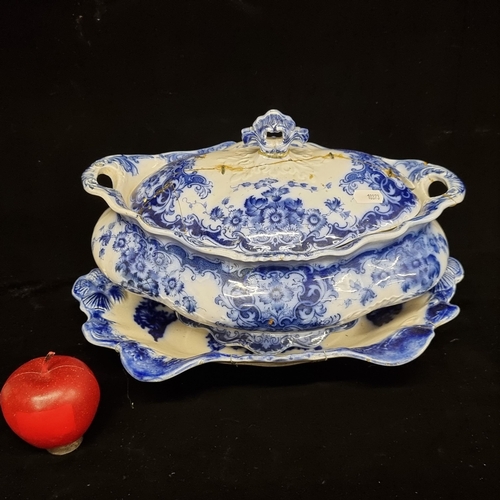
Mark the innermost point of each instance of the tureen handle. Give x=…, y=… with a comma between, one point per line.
x=274, y=133
x=109, y=168
x=422, y=175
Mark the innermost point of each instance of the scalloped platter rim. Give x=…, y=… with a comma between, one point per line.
x=155, y=346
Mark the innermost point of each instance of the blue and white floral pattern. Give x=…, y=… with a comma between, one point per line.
x=273, y=244
x=286, y=300
x=372, y=172
x=384, y=315
x=275, y=218
x=153, y=317
x=269, y=298
x=147, y=267
x=97, y=295
x=302, y=206
x=306, y=298
x=97, y=292
x=404, y=342
x=156, y=199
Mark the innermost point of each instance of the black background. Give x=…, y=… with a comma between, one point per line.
x=401, y=79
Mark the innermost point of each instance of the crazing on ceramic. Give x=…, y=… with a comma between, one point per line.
x=155, y=346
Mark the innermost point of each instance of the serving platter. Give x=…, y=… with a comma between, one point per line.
x=154, y=345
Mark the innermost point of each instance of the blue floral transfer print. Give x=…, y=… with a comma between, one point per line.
x=400, y=346
x=374, y=173
x=213, y=344
x=155, y=199
x=384, y=315
x=274, y=218
x=273, y=221
x=147, y=266
x=271, y=298
x=287, y=300
x=98, y=293
x=296, y=298
x=153, y=317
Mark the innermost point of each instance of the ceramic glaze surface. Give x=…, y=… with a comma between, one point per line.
x=154, y=345
x=276, y=215
x=239, y=299
x=272, y=243
x=273, y=197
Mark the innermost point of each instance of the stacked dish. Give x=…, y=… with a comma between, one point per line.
x=273, y=246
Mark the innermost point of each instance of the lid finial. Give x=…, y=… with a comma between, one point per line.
x=274, y=133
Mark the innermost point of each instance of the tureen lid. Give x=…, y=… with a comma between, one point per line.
x=273, y=196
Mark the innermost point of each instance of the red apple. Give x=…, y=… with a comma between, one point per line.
x=50, y=402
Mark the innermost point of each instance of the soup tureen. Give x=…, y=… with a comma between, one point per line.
x=272, y=235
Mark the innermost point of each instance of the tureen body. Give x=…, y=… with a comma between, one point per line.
x=233, y=298
x=272, y=234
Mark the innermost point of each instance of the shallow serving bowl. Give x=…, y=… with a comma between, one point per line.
x=272, y=234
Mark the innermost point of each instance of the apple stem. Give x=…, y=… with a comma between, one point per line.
x=49, y=356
